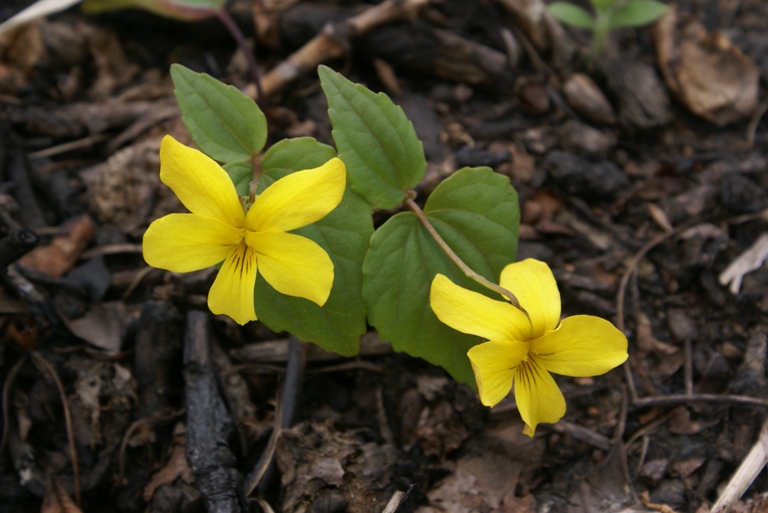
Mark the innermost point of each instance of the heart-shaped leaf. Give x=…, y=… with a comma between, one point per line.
x=476, y=212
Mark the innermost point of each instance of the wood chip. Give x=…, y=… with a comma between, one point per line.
x=751, y=260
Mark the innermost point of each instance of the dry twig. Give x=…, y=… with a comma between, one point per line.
x=746, y=473
x=67, y=420
x=333, y=42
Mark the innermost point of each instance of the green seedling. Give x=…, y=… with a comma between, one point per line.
x=608, y=15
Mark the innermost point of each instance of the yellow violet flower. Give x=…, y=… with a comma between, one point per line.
x=219, y=229
x=523, y=349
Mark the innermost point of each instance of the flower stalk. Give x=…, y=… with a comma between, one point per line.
x=468, y=272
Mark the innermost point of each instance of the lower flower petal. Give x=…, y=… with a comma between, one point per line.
x=537, y=395
x=188, y=242
x=293, y=265
x=232, y=292
x=495, y=364
x=582, y=346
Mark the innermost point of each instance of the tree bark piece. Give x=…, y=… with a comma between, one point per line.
x=158, y=349
x=209, y=426
x=17, y=244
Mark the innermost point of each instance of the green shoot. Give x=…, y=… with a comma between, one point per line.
x=609, y=15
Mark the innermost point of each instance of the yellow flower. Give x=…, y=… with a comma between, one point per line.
x=524, y=349
x=219, y=229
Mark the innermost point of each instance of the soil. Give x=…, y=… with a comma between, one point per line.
x=642, y=177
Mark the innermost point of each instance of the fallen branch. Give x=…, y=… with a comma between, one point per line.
x=333, y=42
x=208, y=422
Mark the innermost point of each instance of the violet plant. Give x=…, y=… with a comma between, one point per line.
x=292, y=230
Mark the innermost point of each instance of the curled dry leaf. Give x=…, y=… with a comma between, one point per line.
x=487, y=473
x=103, y=326
x=58, y=257
x=609, y=485
x=706, y=73
x=177, y=466
x=57, y=500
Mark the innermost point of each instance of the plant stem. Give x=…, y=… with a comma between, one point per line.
x=468, y=272
x=237, y=35
x=600, y=32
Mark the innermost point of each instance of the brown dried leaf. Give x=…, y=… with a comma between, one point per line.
x=58, y=257
x=609, y=486
x=329, y=469
x=660, y=217
x=103, y=326
x=681, y=423
x=687, y=467
x=24, y=48
x=525, y=504
x=654, y=470
x=177, y=466
x=114, y=69
x=709, y=75
x=122, y=190
x=56, y=500
x=647, y=342
x=487, y=473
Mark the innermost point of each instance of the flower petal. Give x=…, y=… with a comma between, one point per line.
x=299, y=199
x=532, y=282
x=293, y=265
x=537, y=395
x=495, y=364
x=188, y=242
x=232, y=291
x=199, y=182
x=476, y=314
x=582, y=346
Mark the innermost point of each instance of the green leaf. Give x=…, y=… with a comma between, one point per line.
x=227, y=125
x=184, y=10
x=384, y=157
x=571, y=15
x=290, y=155
x=476, y=212
x=241, y=174
x=603, y=5
x=637, y=13
x=344, y=233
